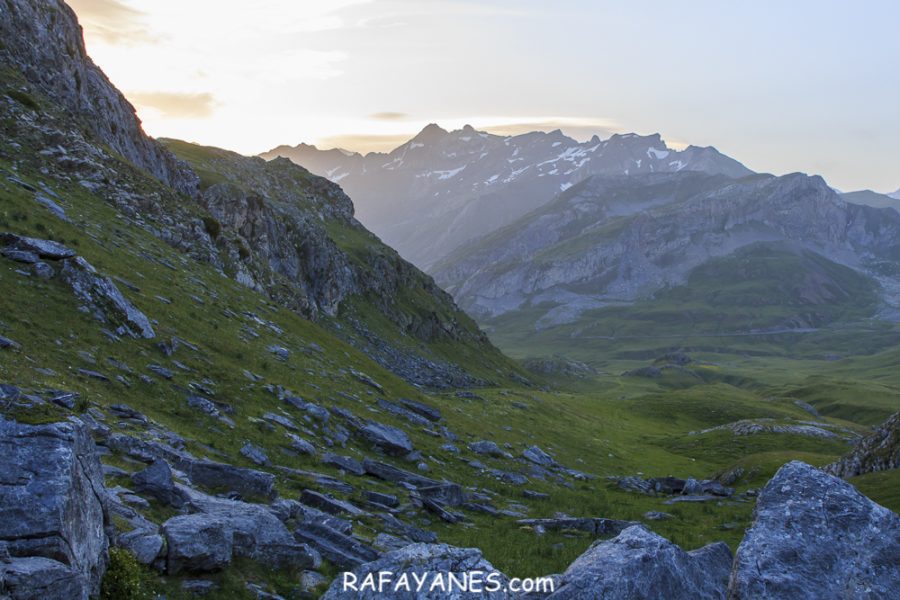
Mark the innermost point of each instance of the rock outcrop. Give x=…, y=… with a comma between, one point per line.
x=815, y=536
x=43, y=40
x=879, y=451
x=638, y=564
x=53, y=511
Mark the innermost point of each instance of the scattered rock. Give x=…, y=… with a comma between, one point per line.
x=593, y=526
x=329, y=504
x=281, y=420
x=161, y=371
x=387, y=500
x=391, y=473
x=338, y=548
x=815, y=536
x=403, y=413
x=363, y=378
x=429, y=412
x=47, y=249
x=300, y=445
x=255, y=453
x=657, y=516
x=538, y=457
x=389, y=439
x=43, y=270
x=344, y=463
x=280, y=352
x=93, y=375
x=488, y=448
x=105, y=298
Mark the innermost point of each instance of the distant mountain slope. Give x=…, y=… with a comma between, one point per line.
x=443, y=189
x=895, y=195
x=870, y=198
x=617, y=240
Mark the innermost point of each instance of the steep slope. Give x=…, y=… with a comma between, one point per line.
x=43, y=41
x=273, y=227
x=442, y=189
x=870, y=198
x=293, y=236
x=895, y=195
x=617, y=240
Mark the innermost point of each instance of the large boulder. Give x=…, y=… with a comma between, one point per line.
x=39, y=578
x=53, y=506
x=429, y=562
x=815, y=536
x=878, y=451
x=638, y=564
x=223, y=529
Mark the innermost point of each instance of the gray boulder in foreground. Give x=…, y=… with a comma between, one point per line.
x=53, y=510
x=430, y=560
x=638, y=564
x=815, y=537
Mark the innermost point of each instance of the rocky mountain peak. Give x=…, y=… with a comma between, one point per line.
x=430, y=133
x=42, y=38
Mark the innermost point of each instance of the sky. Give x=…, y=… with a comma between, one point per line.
x=806, y=85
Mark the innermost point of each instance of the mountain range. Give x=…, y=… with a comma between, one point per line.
x=538, y=231
x=443, y=189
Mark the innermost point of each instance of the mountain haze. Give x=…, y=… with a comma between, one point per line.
x=443, y=189
x=612, y=241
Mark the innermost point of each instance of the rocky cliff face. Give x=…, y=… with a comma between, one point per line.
x=441, y=189
x=292, y=235
x=619, y=239
x=879, y=451
x=42, y=39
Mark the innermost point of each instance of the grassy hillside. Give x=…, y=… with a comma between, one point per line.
x=603, y=425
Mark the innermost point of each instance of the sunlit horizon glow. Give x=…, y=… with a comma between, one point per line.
x=782, y=87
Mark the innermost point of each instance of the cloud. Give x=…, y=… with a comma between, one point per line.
x=112, y=21
x=389, y=116
x=176, y=105
x=365, y=142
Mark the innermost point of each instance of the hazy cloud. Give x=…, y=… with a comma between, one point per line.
x=112, y=21
x=389, y=116
x=176, y=105
x=366, y=142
